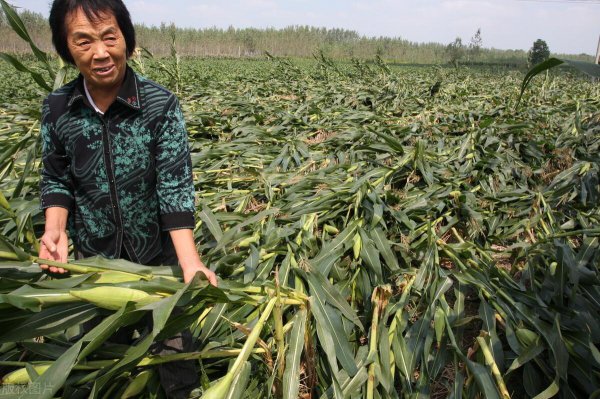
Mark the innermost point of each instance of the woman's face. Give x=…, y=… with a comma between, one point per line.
x=98, y=49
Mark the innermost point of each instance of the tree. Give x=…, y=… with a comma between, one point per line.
x=475, y=45
x=248, y=39
x=455, y=51
x=538, y=53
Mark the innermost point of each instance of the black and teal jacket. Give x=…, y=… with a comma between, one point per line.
x=125, y=177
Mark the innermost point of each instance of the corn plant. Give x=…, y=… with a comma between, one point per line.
x=372, y=240
x=56, y=75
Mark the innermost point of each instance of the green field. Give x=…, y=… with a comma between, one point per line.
x=390, y=232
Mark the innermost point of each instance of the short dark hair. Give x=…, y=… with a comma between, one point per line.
x=93, y=10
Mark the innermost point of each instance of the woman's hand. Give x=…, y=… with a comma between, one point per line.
x=187, y=255
x=189, y=271
x=54, y=246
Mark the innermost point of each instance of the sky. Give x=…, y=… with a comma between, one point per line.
x=568, y=26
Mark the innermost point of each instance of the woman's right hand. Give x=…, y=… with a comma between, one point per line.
x=54, y=245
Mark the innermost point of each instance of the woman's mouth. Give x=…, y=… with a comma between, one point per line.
x=104, y=70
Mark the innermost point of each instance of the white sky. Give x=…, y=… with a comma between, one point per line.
x=568, y=26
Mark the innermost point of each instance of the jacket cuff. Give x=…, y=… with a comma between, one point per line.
x=177, y=221
x=57, y=200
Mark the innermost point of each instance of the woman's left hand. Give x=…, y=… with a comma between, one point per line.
x=190, y=271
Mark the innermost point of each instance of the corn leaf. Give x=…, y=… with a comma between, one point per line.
x=50, y=382
x=327, y=293
x=585, y=67
x=291, y=376
x=212, y=224
x=48, y=321
x=37, y=77
x=330, y=324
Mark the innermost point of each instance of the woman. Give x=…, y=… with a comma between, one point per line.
x=116, y=164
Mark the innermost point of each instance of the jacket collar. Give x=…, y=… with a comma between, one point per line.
x=128, y=94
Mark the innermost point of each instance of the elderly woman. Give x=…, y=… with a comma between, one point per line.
x=116, y=164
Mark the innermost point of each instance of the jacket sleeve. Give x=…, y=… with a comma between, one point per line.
x=56, y=187
x=175, y=187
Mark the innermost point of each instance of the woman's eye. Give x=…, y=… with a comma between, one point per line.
x=83, y=43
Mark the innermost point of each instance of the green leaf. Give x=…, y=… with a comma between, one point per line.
x=532, y=379
x=559, y=349
x=484, y=379
x=385, y=248
x=63, y=283
x=481, y=374
x=107, y=327
x=337, y=390
x=439, y=323
x=17, y=25
x=38, y=78
x=549, y=392
x=31, y=156
x=326, y=342
x=326, y=292
x=31, y=372
x=208, y=217
x=11, y=252
x=530, y=353
x=393, y=142
x=427, y=265
x=15, y=21
x=130, y=358
x=370, y=255
x=46, y=350
x=26, y=303
x=122, y=265
x=291, y=375
x=336, y=245
x=213, y=320
x=402, y=359
x=34, y=299
x=161, y=312
x=240, y=382
x=489, y=324
x=48, y=384
x=230, y=234
x=51, y=320
x=355, y=385
x=385, y=363
x=324, y=262
x=330, y=324
x=592, y=70
x=61, y=76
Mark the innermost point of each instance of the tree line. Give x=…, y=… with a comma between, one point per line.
x=292, y=41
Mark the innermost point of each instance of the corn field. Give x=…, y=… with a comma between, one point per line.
x=378, y=232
